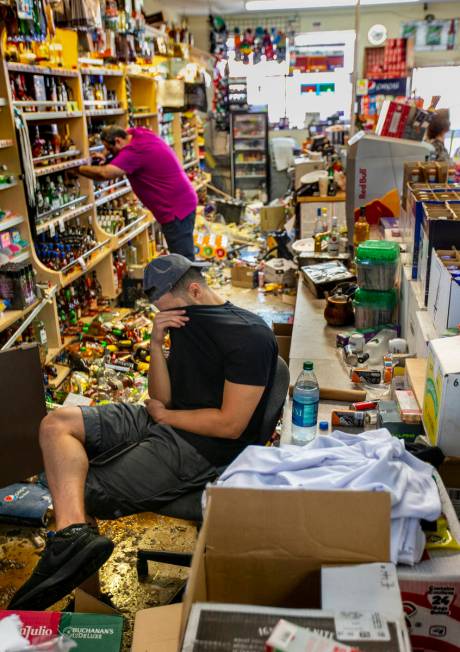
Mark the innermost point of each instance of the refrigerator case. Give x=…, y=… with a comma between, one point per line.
x=249, y=153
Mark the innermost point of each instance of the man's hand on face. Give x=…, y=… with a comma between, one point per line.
x=156, y=409
x=164, y=321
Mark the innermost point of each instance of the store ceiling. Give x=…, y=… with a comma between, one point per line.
x=203, y=7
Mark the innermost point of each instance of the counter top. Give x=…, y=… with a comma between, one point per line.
x=339, y=197
x=313, y=339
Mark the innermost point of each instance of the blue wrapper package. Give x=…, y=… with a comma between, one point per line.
x=24, y=503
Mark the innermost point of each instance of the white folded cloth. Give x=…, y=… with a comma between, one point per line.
x=371, y=461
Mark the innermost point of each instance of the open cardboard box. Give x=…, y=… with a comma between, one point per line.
x=267, y=548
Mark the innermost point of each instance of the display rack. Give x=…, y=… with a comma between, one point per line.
x=249, y=153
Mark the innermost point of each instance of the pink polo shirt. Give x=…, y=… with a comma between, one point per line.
x=156, y=176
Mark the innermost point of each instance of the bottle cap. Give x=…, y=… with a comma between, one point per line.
x=308, y=366
x=323, y=425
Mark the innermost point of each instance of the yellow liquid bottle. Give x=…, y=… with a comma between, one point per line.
x=361, y=227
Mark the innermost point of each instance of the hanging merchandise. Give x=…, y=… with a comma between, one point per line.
x=25, y=20
x=83, y=15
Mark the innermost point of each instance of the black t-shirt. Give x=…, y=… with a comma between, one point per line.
x=220, y=343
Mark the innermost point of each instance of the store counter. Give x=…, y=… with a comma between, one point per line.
x=309, y=210
x=313, y=339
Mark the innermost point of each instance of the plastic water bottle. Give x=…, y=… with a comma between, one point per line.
x=305, y=406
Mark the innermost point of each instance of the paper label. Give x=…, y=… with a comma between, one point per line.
x=77, y=400
x=81, y=262
x=52, y=230
x=61, y=225
x=359, y=626
x=120, y=366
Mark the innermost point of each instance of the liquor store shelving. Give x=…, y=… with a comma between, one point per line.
x=97, y=95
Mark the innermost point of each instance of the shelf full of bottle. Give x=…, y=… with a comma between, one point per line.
x=53, y=149
x=121, y=215
x=40, y=96
x=102, y=96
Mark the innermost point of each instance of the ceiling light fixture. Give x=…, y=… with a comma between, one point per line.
x=277, y=5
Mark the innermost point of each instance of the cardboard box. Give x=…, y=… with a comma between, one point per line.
x=450, y=474
x=268, y=547
x=244, y=276
x=272, y=218
x=443, y=294
x=441, y=405
x=283, y=334
x=431, y=593
x=246, y=628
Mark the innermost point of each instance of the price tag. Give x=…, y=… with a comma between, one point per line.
x=61, y=225
x=81, y=262
x=52, y=230
x=361, y=626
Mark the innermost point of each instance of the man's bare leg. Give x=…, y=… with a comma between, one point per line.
x=76, y=551
x=62, y=435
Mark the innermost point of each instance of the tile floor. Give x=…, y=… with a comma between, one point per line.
x=20, y=548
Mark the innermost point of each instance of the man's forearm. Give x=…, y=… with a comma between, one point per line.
x=159, y=381
x=92, y=172
x=208, y=422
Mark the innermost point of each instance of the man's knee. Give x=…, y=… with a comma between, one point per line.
x=60, y=422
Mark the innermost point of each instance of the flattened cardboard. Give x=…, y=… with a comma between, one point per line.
x=158, y=629
x=22, y=407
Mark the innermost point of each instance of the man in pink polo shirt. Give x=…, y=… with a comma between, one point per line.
x=157, y=178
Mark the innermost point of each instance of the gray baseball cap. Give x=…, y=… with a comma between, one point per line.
x=162, y=274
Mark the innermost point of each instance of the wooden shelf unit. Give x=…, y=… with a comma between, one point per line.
x=141, y=110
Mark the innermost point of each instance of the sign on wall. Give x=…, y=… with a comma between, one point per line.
x=431, y=35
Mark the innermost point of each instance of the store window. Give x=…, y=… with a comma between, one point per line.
x=314, y=79
x=443, y=81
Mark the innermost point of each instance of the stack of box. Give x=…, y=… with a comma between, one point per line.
x=431, y=220
x=444, y=290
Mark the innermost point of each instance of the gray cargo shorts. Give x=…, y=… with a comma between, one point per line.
x=145, y=465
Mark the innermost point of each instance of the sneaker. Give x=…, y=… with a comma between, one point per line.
x=70, y=557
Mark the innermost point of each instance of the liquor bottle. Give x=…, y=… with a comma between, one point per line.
x=362, y=227
x=331, y=184
x=451, y=35
x=38, y=146
x=333, y=244
x=67, y=143
x=55, y=139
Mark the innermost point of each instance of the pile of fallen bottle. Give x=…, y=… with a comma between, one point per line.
x=110, y=359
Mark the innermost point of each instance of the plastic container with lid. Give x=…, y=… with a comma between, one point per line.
x=374, y=308
x=377, y=264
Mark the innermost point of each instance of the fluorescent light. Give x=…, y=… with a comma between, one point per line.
x=278, y=5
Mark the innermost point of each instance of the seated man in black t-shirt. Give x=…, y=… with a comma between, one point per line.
x=207, y=402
